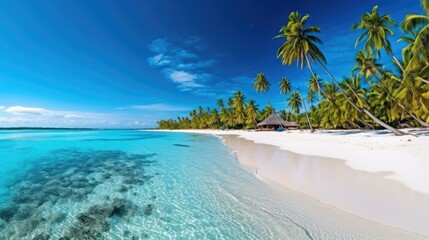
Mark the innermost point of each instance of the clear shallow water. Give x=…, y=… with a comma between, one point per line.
x=152, y=185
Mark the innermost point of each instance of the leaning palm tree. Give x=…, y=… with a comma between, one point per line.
x=375, y=30
x=413, y=94
x=409, y=39
x=301, y=46
x=419, y=25
x=366, y=65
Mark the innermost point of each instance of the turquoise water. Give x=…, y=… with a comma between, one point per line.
x=149, y=185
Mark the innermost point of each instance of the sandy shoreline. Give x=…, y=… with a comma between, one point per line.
x=405, y=159
x=370, y=174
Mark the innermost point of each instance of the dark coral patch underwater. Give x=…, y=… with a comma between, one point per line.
x=70, y=176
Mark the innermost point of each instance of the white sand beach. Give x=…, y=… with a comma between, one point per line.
x=371, y=174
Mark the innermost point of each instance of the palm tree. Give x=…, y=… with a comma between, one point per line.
x=381, y=101
x=261, y=84
x=410, y=39
x=354, y=91
x=284, y=86
x=366, y=65
x=238, y=103
x=214, y=119
x=295, y=102
x=413, y=95
x=375, y=30
x=252, y=113
x=300, y=46
x=331, y=110
x=223, y=117
x=220, y=104
x=230, y=118
x=418, y=25
x=314, y=86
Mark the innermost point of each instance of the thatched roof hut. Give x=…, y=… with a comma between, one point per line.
x=274, y=122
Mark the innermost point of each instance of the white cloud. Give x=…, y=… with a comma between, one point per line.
x=158, y=107
x=159, y=60
x=182, y=66
x=2, y=107
x=182, y=76
x=185, y=80
x=22, y=116
x=20, y=110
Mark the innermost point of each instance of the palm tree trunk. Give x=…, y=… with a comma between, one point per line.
x=319, y=87
x=361, y=109
x=403, y=70
x=354, y=124
x=423, y=124
x=366, y=124
x=314, y=75
x=306, y=114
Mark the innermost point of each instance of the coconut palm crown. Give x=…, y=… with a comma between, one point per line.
x=300, y=43
x=375, y=30
x=261, y=83
x=417, y=26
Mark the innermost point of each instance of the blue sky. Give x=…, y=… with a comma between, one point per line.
x=130, y=63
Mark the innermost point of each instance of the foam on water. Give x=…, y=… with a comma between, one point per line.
x=148, y=185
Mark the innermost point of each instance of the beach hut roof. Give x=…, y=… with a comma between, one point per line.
x=273, y=119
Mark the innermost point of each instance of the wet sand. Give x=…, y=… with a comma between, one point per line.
x=364, y=194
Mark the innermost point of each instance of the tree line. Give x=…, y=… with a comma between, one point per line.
x=390, y=99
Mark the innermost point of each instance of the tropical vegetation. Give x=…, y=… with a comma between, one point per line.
x=371, y=97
